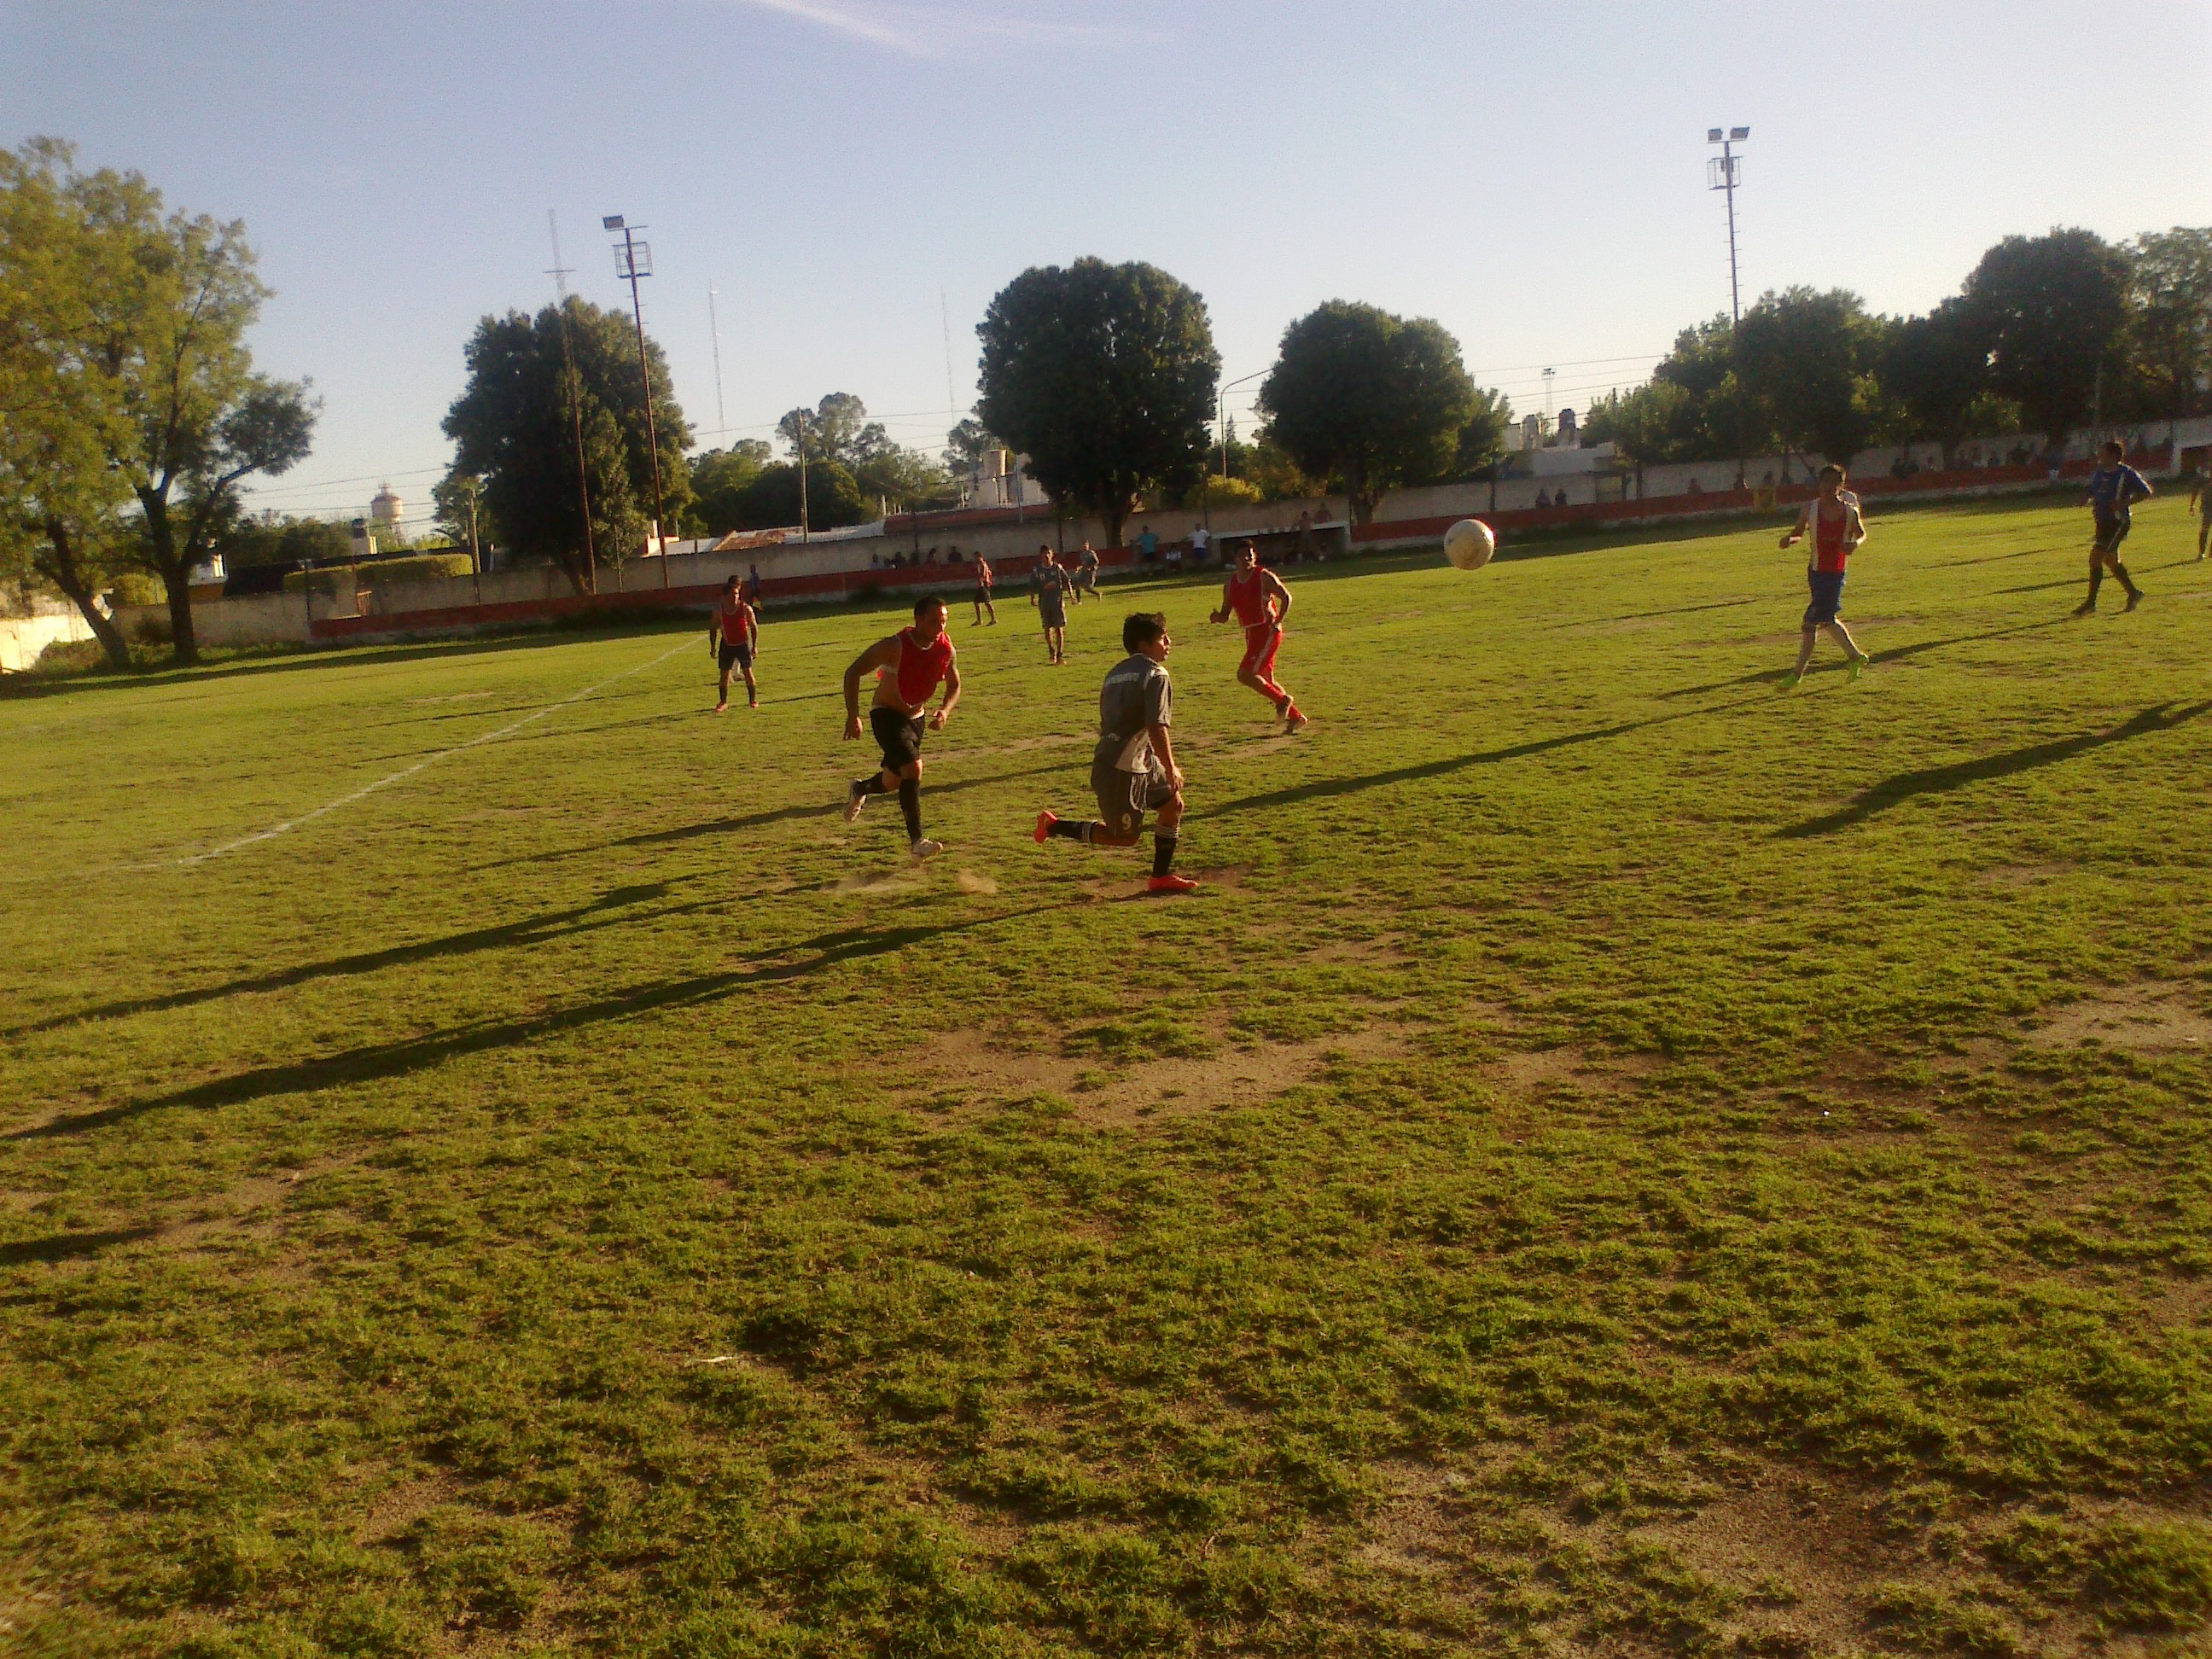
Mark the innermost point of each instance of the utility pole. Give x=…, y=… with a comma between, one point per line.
x=1724, y=172
x=634, y=260
x=800, y=415
x=559, y=274
x=714, y=328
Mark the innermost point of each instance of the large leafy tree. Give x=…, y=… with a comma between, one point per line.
x=1104, y=376
x=1482, y=439
x=151, y=343
x=2170, y=324
x=1367, y=399
x=2054, y=308
x=1809, y=359
x=837, y=430
x=1937, y=365
x=59, y=416
x=535, y=385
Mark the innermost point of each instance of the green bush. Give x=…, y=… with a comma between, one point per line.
x=138, y=587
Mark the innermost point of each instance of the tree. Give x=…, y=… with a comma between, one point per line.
x=836, y=429
x=458, y=497
x=280, y=539
x=516, y=423
x=1482, y=439
x=771, y=500
x=2054, y=308
x=2170, y=324
x=1104, y=376
x=966, y=445
x=150, y=345
x=720, y=478
x=1809, y=359
x=60, y=417
x=1367, y=399
x=1938, y=366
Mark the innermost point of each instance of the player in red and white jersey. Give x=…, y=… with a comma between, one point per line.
x=1831, y=522
x=1258, y=599
x=908, y=666
x=731, y=637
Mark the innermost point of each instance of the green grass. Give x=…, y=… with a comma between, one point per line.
x=1622, y=1158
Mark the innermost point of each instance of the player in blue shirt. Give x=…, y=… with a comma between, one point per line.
x=2113, y=488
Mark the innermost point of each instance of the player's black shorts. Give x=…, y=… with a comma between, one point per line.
x=983, y=596
x=735, y=653
x=899, y=736
x=2111, y=532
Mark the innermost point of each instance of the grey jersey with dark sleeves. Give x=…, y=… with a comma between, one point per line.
x=1135, y=697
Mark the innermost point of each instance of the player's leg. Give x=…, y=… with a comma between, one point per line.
x=1842, y=636
x=722, y=690
x=2096, y=574
x=752, y=690
x=2204, y=520
x=1167, y=834
x=899, y=740
x=2112, y=558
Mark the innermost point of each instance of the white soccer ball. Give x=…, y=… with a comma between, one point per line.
x=1469, y=544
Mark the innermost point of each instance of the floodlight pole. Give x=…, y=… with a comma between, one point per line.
x=1722, y=175
x=645, y=369
x=1221, y=419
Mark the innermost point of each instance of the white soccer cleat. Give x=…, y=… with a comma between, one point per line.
x=926, y=848
x=854, y=800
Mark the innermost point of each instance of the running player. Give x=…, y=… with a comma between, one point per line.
x=2114, y=487
x=908, y=666
x=1087, y=571
x=2200, y=502
x=1133, y=770
x=1832, y=525
x=730, y=639
x=1258, y=599
x=984, y=579
x=1049, y=591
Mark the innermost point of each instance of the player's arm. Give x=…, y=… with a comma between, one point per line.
x=952, y=694
x=2138, y=487
x=880, y=655
x=1222, y=615
x=1273, y=584
x=1791, y=535
x=714, y=634
x=1855, y=526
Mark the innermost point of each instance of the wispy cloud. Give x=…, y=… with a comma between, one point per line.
x=930, y=31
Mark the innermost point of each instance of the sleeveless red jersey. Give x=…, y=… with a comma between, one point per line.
x=1831, y=546
x=921, y=667
x=736, y=622
x=1248, y=597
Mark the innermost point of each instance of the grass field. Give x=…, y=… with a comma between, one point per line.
x=1621, y=1158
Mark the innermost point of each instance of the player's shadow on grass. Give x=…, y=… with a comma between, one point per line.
x=382, y=1061
x=783, y=815
x=64, y=1247
x=529, y=931
x=1941, y=780
x=1892, y=654
x=1323, y=788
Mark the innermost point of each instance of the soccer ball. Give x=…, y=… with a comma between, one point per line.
x=1468, y=544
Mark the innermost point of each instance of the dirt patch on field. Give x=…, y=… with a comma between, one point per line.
x=1535, y=1067
x=1803, y=1556
x=2138, y=1018
x=2022, y=875
x=965, y=1071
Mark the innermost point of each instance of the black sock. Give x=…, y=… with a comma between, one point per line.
x=873, y=784
x=2096, y=578
x=1164, y=852
x=909, y=793
x=1072, y=830
x=2126, y=580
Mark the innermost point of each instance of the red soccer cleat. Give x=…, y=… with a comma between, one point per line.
x=1043, y=831
x=1171, y=884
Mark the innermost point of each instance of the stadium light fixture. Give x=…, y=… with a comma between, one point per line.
x=1724, y=172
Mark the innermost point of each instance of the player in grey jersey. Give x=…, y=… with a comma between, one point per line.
x=1133, y=770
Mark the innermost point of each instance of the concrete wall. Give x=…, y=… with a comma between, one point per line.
x=23, y=638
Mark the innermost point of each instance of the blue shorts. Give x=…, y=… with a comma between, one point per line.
x=1827, y=605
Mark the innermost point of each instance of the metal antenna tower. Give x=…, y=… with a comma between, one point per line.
x=559, y=274
x=714, y=327
x=1724, y=172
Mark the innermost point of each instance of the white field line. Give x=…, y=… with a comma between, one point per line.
x=404, y=772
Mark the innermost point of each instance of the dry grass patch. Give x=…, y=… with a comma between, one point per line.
x=2146, y=1019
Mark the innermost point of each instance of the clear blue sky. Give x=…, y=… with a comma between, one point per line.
x=1533, y=175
